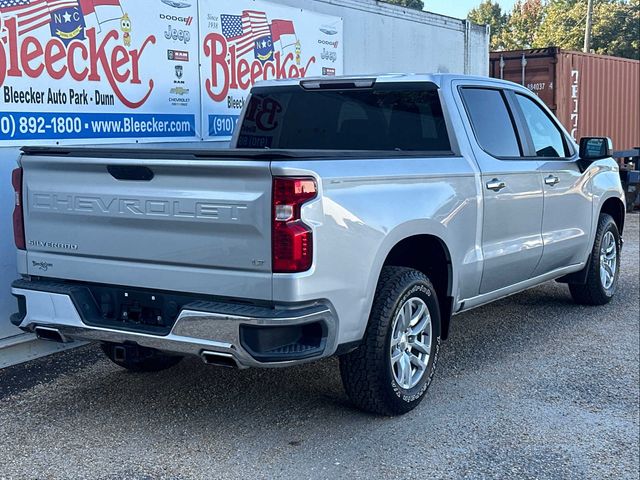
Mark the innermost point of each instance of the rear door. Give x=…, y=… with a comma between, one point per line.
x=567, y=216
x=512, y=191
x=164, y=221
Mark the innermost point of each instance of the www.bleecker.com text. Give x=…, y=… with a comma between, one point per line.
x=56, y=97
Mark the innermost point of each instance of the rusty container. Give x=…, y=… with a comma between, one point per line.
x=592, y=95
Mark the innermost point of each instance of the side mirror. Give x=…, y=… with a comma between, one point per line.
x=595, y=148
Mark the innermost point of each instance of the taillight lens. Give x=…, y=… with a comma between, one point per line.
x=291, y=238
x=18, y=216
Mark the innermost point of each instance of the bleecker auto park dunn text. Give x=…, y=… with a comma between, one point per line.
x=28, y=56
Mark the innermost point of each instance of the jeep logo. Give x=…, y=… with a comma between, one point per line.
x=178, y=35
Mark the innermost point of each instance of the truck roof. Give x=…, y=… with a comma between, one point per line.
x=439, y=79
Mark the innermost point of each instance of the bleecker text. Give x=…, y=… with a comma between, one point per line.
x=228, y=72
x=28, y=56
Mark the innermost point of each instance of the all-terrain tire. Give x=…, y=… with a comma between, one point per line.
x=594, y=292
x=367, y=372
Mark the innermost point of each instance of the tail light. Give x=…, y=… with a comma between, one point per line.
x=291, y=238
x=18, y=216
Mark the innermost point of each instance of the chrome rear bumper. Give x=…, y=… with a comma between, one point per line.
x=195, y=332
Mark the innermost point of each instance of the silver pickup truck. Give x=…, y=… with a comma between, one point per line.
x=352, y=217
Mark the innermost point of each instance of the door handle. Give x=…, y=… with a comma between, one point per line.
x=552, y=180
x=496, y=185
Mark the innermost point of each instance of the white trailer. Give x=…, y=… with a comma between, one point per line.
x=382, y=38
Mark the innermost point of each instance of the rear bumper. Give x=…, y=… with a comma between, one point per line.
x=202, y=328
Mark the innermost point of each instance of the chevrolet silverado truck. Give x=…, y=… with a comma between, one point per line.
x=350, y=217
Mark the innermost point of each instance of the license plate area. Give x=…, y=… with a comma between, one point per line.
x=137, y=310
x=141, y=308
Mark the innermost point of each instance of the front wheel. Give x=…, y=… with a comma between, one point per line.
x=391, y=371
x=604, y=268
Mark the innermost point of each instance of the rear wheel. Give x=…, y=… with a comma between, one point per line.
x=391, y=371
x=138, y=359
x=604, y=268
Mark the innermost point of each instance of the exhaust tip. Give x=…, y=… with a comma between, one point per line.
x=219, y=359
x=49, y=334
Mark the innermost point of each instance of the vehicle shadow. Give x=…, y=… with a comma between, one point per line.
x=195, y=392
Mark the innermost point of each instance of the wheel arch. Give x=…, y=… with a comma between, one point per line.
x=615, y=207
x=429, y=254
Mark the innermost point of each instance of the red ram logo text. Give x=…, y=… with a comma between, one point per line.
x=230, y=72
x=28, y=56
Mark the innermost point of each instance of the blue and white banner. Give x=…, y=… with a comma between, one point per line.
x=69, y=126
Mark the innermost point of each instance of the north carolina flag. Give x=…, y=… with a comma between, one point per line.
x=283, y=31
x=97, y=12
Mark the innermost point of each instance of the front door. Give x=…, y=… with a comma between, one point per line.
x=567, y=216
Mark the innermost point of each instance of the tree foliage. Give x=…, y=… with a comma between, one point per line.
x=616, y=26
x=490, y=13
x=522, y=24
x=561, y=23
x=417, y=4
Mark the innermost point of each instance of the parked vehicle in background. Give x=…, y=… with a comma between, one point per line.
x=629, y=161
x=353, y=217
x=591, y=95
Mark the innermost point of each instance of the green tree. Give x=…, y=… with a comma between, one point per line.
x=617, y=31
x=490, y=13
x=522, y=25
x=417, y=4
x=616, y=26
x=564, y=24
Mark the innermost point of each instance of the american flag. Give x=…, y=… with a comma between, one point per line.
x=32, y=14
x=245, y=29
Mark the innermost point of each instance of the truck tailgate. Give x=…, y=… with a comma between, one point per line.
x=192, y=225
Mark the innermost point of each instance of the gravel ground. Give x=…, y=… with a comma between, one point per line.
x=532, y=386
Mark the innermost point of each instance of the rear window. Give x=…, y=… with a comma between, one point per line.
x=387, y=118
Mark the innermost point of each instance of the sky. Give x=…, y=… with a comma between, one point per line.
x=459, y=8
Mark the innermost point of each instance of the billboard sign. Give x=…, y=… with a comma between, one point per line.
x=99, y=71
x=246, y=41
x=74, y=70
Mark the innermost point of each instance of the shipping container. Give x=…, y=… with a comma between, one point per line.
x=592, y=95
